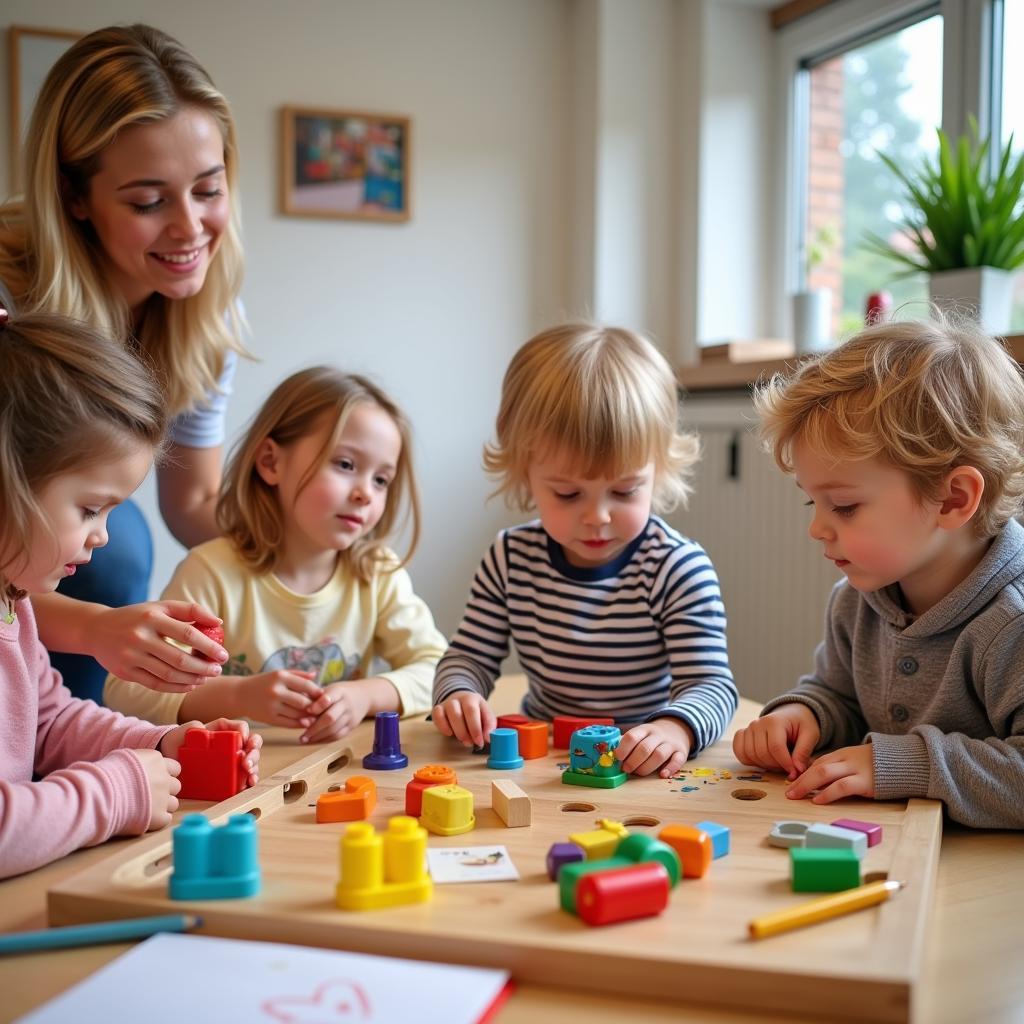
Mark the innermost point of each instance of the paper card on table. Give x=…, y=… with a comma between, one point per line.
x=470, y=864
x=170, y=978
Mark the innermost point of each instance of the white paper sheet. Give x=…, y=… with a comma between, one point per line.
x=174, y=978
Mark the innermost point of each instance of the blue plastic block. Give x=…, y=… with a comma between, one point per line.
x=215, y=862
x=719, y=837
x=504, y=750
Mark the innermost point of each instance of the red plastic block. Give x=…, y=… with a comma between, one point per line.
x=212, y=765
x=566, y=725
x=423, y=778
x=511, y=721
x=353, y=803
x=215, y=633
x=622, y=894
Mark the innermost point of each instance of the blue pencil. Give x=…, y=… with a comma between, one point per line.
x=97, y=933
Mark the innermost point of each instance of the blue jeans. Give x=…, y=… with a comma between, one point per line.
x=117, y=575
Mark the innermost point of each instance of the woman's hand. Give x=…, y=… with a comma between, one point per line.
x=132, y=643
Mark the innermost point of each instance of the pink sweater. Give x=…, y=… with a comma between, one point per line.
x=91, y=787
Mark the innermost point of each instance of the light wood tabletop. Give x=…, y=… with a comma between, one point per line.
x=971, y=970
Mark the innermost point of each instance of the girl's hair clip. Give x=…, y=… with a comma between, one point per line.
x=4, y=316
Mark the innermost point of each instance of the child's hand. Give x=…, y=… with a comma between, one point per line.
x=162, y=776
x=338, y=710
x=849, y=771
x=662, y=744
x=251, y=743
x=130, y=642
x=768, y=742
x=282, y=697
x=466, y=716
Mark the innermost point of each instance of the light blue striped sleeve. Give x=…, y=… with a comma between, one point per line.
x=203, y=426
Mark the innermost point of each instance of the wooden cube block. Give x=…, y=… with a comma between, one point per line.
x=511, y=804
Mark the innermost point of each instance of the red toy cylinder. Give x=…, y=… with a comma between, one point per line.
x=622, y=894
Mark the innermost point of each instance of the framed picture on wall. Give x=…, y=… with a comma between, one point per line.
x=31, y=52
x=340, y=163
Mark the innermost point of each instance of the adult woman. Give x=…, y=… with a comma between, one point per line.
x=129, y=223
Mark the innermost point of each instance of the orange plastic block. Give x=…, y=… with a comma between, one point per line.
x=353, y=803
x=423, y=778
x=565, y=725
x=212, y=765
x=533, y=739
x=693, y=846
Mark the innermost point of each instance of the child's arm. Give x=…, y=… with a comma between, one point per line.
x=687, y=605
x=407, y=639
x=405, y=636
x=980, y=780
x=465, y=675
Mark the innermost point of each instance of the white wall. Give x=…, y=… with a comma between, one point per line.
x=432, y=309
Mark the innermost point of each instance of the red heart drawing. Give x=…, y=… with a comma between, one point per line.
x=331, y=1002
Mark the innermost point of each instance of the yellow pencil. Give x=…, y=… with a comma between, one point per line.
x=822, y=909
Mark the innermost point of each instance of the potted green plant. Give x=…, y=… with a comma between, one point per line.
x=812, y=307
x=963, y=225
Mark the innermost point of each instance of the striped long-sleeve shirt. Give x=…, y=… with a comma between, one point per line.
x=640, y=638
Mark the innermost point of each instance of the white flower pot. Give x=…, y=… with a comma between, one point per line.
x=812, y=320
x=982, y=292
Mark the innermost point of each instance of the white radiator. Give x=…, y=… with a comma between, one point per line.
x=751, y=520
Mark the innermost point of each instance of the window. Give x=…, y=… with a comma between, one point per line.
x=879, y=92
x=1012, y=114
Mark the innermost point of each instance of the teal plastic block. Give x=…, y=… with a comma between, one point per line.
x=823, y=870
x=215, y=862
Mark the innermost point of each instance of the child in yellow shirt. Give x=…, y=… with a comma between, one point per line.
x=310, y=595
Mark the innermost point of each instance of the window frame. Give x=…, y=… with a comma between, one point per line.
x=971, y=34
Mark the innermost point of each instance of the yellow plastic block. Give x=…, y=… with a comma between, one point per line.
x=447, y=810
x=383, y=871
x=693, y=846
x=602, y=842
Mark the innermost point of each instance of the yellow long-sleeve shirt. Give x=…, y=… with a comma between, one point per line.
x=336, y=632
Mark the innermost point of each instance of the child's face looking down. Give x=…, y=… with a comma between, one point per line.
x=348, y=493
x=871, y=521
x=593, y=519
x=77, y=505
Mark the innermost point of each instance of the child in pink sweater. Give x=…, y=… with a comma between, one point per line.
x=80, y=422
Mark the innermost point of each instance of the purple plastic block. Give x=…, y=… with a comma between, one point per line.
x=387, y=749
x=560, y=854
x=869, y=828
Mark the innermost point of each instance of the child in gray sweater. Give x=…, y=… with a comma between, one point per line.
x=908, y=441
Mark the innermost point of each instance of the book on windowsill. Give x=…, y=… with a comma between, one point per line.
x=754, y=350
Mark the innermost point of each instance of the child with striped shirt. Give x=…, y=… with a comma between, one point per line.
x=612, y=612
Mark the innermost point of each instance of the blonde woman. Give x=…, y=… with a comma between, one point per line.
x=129, y=224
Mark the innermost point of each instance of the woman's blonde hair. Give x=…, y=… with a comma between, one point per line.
x=604, y=395
x=321, y=398
x=71, y=398
x=922, y=396
x=51, y=262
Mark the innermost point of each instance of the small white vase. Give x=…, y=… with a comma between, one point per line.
x=983, y=292
x=812, y=321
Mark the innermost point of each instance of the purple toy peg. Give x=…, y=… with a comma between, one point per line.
x=387, y=748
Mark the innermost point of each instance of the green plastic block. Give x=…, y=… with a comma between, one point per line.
x=571, y=778
x=823, y=870
x=569, y=876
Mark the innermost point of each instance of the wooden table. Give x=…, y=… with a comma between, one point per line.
x=971, y=974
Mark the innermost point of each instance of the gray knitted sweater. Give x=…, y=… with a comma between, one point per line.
x=941, y=697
